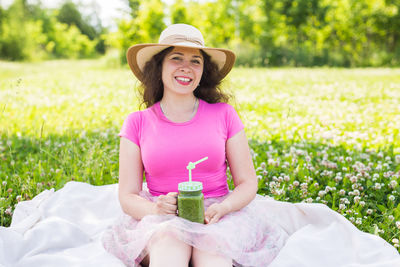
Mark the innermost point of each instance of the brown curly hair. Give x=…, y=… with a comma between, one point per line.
x=209, y=89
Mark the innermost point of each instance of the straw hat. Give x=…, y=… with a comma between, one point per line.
x=178, y=35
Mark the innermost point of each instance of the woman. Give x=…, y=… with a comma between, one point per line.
x=186, y=119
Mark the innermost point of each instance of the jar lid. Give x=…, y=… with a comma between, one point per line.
x=190, y=186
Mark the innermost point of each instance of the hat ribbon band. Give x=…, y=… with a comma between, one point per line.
x=176, y=38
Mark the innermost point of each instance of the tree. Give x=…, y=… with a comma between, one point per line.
x=70, y=15
x=179, y=13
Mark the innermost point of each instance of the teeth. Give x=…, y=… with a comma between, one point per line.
x=183, y=79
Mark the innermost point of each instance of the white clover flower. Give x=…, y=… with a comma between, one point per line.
x=397, y=159
x=385, y=165
x=18, y=198
x=395, y=241
x=362, y=203
x=296, y=183
x=8, y=211
x=353, y=179
x=393, y=184
x=321, y=193
x=304, y=186
x=359, y=221
x=342, y=206
x=338, y=178
x=369, y=211
x=259, y=177
x=4, y=183
x=263, y=165
x=286, y=178
x=309, y=200
x=398, y=224
x=376, y=175
x=328, y=189
x=377, y=186
x=391, y=198
x=351, y=219
x=342, y=192
x=357, y=199
x=391, y=217
x=356, y=192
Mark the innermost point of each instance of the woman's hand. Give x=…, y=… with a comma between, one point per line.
x=166, y=204
x=215, y=212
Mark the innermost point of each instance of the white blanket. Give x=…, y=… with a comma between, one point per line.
x=64, y=228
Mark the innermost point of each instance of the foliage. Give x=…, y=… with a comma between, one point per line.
x=70, y=15
x=318, y=135
x=144, y=28
x=348, y=33
x=29, y=32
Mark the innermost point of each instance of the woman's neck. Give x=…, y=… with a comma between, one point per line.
x=179, y=108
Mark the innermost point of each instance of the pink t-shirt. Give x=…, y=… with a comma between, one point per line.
x=167, y=147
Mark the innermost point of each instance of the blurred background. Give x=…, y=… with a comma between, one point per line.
x=343, y=33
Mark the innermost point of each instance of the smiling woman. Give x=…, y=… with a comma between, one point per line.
x=186, y=120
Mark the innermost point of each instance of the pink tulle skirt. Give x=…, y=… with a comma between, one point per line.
x=250, y=237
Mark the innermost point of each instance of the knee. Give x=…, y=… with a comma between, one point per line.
x=166, y=250
x=166, y=240
x=205, y=259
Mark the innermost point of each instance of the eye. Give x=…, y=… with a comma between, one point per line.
x=176, y=58
x=196, y=61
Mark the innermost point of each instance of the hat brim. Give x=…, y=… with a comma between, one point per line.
x=138, y=55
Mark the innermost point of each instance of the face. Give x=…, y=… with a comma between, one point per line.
x=181, y=70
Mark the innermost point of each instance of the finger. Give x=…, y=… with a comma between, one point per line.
x=173, y=194
x=170, y=200
x=210, y=212
x=168, y=207
x=214, y=219
x=164, y=207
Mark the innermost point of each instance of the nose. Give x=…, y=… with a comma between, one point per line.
x=185, y=66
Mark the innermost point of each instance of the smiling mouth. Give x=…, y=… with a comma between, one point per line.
x=183, y=80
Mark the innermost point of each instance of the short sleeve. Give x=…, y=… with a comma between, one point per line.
x=234, y=123
x=131, y=128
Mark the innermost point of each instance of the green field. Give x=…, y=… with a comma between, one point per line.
x=317, y=134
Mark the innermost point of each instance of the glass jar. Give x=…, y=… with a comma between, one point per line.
x=191, y=201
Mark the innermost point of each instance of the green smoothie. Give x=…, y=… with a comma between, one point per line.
x=191, y=201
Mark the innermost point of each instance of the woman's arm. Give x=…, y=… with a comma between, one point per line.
x=130, y=184
x=244, y=178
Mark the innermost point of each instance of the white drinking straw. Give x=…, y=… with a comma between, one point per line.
x=192, y=165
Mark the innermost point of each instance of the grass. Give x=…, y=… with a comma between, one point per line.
x=318, y=135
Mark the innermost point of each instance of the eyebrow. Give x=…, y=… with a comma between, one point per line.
x=181, y=54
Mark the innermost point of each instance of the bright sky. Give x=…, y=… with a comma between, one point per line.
x=108, y=10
